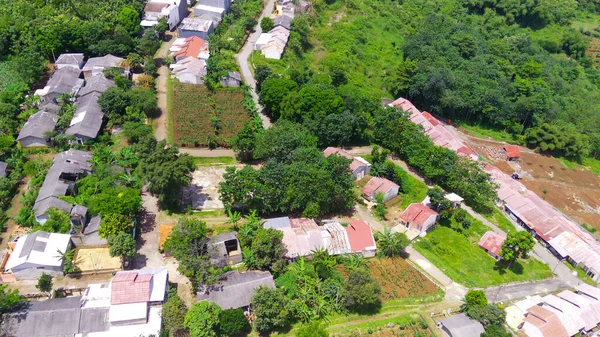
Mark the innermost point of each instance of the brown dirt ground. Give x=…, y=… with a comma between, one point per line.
x=398, y=279
x=573, y=191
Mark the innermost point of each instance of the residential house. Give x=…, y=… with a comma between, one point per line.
x=283, y=21
x=361, y=238
x=34, y=132
x=566, y=312
x=512, y=152
x=455, y=199
x=492, y=242
x=460, y=325
x=89, y=235
x=64, y=81
x=217, y=8
x=378, y=185
x=192, y=46
x=3, y=167
x=96, y=84
x=359, y=167
x=275, y=47
x=88, y=118
x=225, y=249
x=235, y=289
x=540, y=322
x=262, y=41
x=515, y=313
x=67, y=167
x=233, y=79
x=172, y=10
x=73, y=60
x=198, y=27
x=96, y=65
x=189, y=70
x=38, y=253
x=418, y=217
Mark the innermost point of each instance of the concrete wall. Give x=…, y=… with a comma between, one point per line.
x=29, y=271
x=390, y=194
x=189, y=78
x=189, y=33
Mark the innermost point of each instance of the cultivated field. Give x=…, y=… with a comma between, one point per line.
x=201, y=118
x=399, y=279
x=408, y=325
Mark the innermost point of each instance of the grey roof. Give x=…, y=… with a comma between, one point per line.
x=88, y=117
x=213, y=3
x=235, y=75
x=97, y=83
x=278, y=223
x=38, y=124
x=92, y=226
x=284, y=21
x=70, y=58
x=79, y=210
x=235, y=289
x=72, y=162
x=32, y=243
x=55, y=318
x=106, y=61
x=461, y=326
x=199, y=24
x=50, y=107
x=224, y=237
x=65, y=80
x=3, y=167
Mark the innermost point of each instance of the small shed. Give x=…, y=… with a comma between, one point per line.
x=455, y=199
x=512, y=152
x=460, y=326
x=79, y=216
x=232, y=80
x=492, y=242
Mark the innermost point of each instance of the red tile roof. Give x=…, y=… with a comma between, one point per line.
x=465, y=150
x=335, y=150
x=417, y=213
x=512, y=151
x=545, y=320
x=360, y=235
x=376, y=185
x=155, y=7
x=129, y=287
x=405, y=105
x=430, y=118
x=192, y=47
x=492, y=242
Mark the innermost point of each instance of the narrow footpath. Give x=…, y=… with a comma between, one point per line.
x=161, y=122
x=242, y=59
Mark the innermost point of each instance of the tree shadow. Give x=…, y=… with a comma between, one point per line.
x=146, y=221
x=502, y=267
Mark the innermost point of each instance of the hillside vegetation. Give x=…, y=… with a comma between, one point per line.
x=515, y=66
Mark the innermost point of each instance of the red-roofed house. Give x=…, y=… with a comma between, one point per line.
x=512, y=152
x=359, y=167
x=492, y=242
x=193, y=47
x=541, y=322
x=361, y=238
x=419, y=217
x=380, y=185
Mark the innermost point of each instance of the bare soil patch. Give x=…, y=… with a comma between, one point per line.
x=399, y=279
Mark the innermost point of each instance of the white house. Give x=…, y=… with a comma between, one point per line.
x=38, y=253
x=419, y=217
x=189, y=70
x=359, y=167
x=378, y=185
x=174, y=11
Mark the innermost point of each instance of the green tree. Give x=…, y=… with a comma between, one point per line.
x=474, y=298
x=391, y=244
x=244, y=142
x=270, y=309
x=122, y=245
x=203, y=319
x=362, y=292
x=129, y=18
x=313, y=329
x=266, y=24
x=272, y=92
x=45, y=283
x=113, y=224
x=267, y=252
x=10, y=300
x=66, y=259
x=188, y=244
x=173, y=313
x=495, y=331
x=233, y=323
x=58, y=222
x=517, y=245
x=114, y=102
x=280, y=141
x=261, y=74
x=487, y=315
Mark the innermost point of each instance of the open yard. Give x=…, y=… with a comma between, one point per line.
x=399, y=279
x=464, y=262
x=205, y=119
x=93, y=260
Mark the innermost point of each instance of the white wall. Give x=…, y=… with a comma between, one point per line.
x=33, y=142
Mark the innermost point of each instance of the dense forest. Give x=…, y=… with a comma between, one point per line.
x=516, y=66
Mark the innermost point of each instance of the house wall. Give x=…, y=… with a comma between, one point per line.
x=360, y=172
x=33, y=142
x=369, y=253
x=429, y=223
x=189, y=78
x=29, y=271
x=271, y=53
x=390, y=194
x=184, y=33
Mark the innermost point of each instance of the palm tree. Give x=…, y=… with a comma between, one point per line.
x=391, y=244
x=129, y=179
x=65, y=98
x=234, y=218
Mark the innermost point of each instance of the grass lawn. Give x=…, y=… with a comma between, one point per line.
x=463, y=261
x=483, y=132
x=587, y=164
x=499, y=219
x=211, y=161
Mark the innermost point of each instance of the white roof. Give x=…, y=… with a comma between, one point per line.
x=211, y=9
x=566, y=312
x=148, y=23
x=158, y=285
x=97, y=295
x=39, y=248
x=588, y=290
x=586, y=308
x=151, y=327
x=127, y=312
x=454, y=197
x=263, y=38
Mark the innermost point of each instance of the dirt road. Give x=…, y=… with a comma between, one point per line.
x=161, y=122
x=242, y=59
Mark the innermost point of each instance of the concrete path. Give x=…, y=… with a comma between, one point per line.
x=208, y=152
x=520, y=290
x=242, y=59
x=161, y=122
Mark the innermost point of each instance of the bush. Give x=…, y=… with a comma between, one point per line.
x=233, y=322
